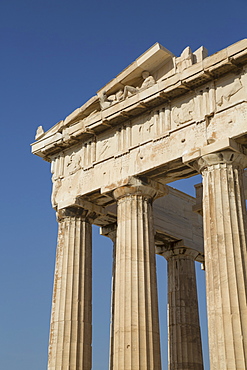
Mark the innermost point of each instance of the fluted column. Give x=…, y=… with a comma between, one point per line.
x=224, y=215
x=71, y=318
x=136, y=341
x=184, y=335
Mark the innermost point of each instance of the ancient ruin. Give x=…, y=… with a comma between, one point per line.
x=162, y=119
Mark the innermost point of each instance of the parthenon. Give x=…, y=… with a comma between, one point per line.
x=162, y=119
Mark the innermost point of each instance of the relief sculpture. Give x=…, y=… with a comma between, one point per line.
x=74, y=163
x=148, y=82
x=107, y=101
x=184, y=113
x=229, y=91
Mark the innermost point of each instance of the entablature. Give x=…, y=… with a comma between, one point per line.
x=156, y=132
x=183, y=75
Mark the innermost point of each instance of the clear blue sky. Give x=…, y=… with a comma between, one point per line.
x=54, y=56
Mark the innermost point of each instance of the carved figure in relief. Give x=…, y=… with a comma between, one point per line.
x=107, y=101
x=119, y=96
x=104, y=101
x=184, y=113
x=131, y=90
x=74, y=163
x=229, y=91
x=39, y=133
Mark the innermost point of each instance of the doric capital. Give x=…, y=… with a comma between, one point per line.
x=177, y=250
x=128, y=190
x=149, y=189
x=228, y=157
x=75, y=212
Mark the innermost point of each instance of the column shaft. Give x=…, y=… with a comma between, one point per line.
x=136, y=342
x=184, y=335
x=71, y=319
x=224, y=214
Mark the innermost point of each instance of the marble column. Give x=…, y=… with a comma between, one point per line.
x=224, y=217
x=136, y=340
x=184, y=335
x=71, y=318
